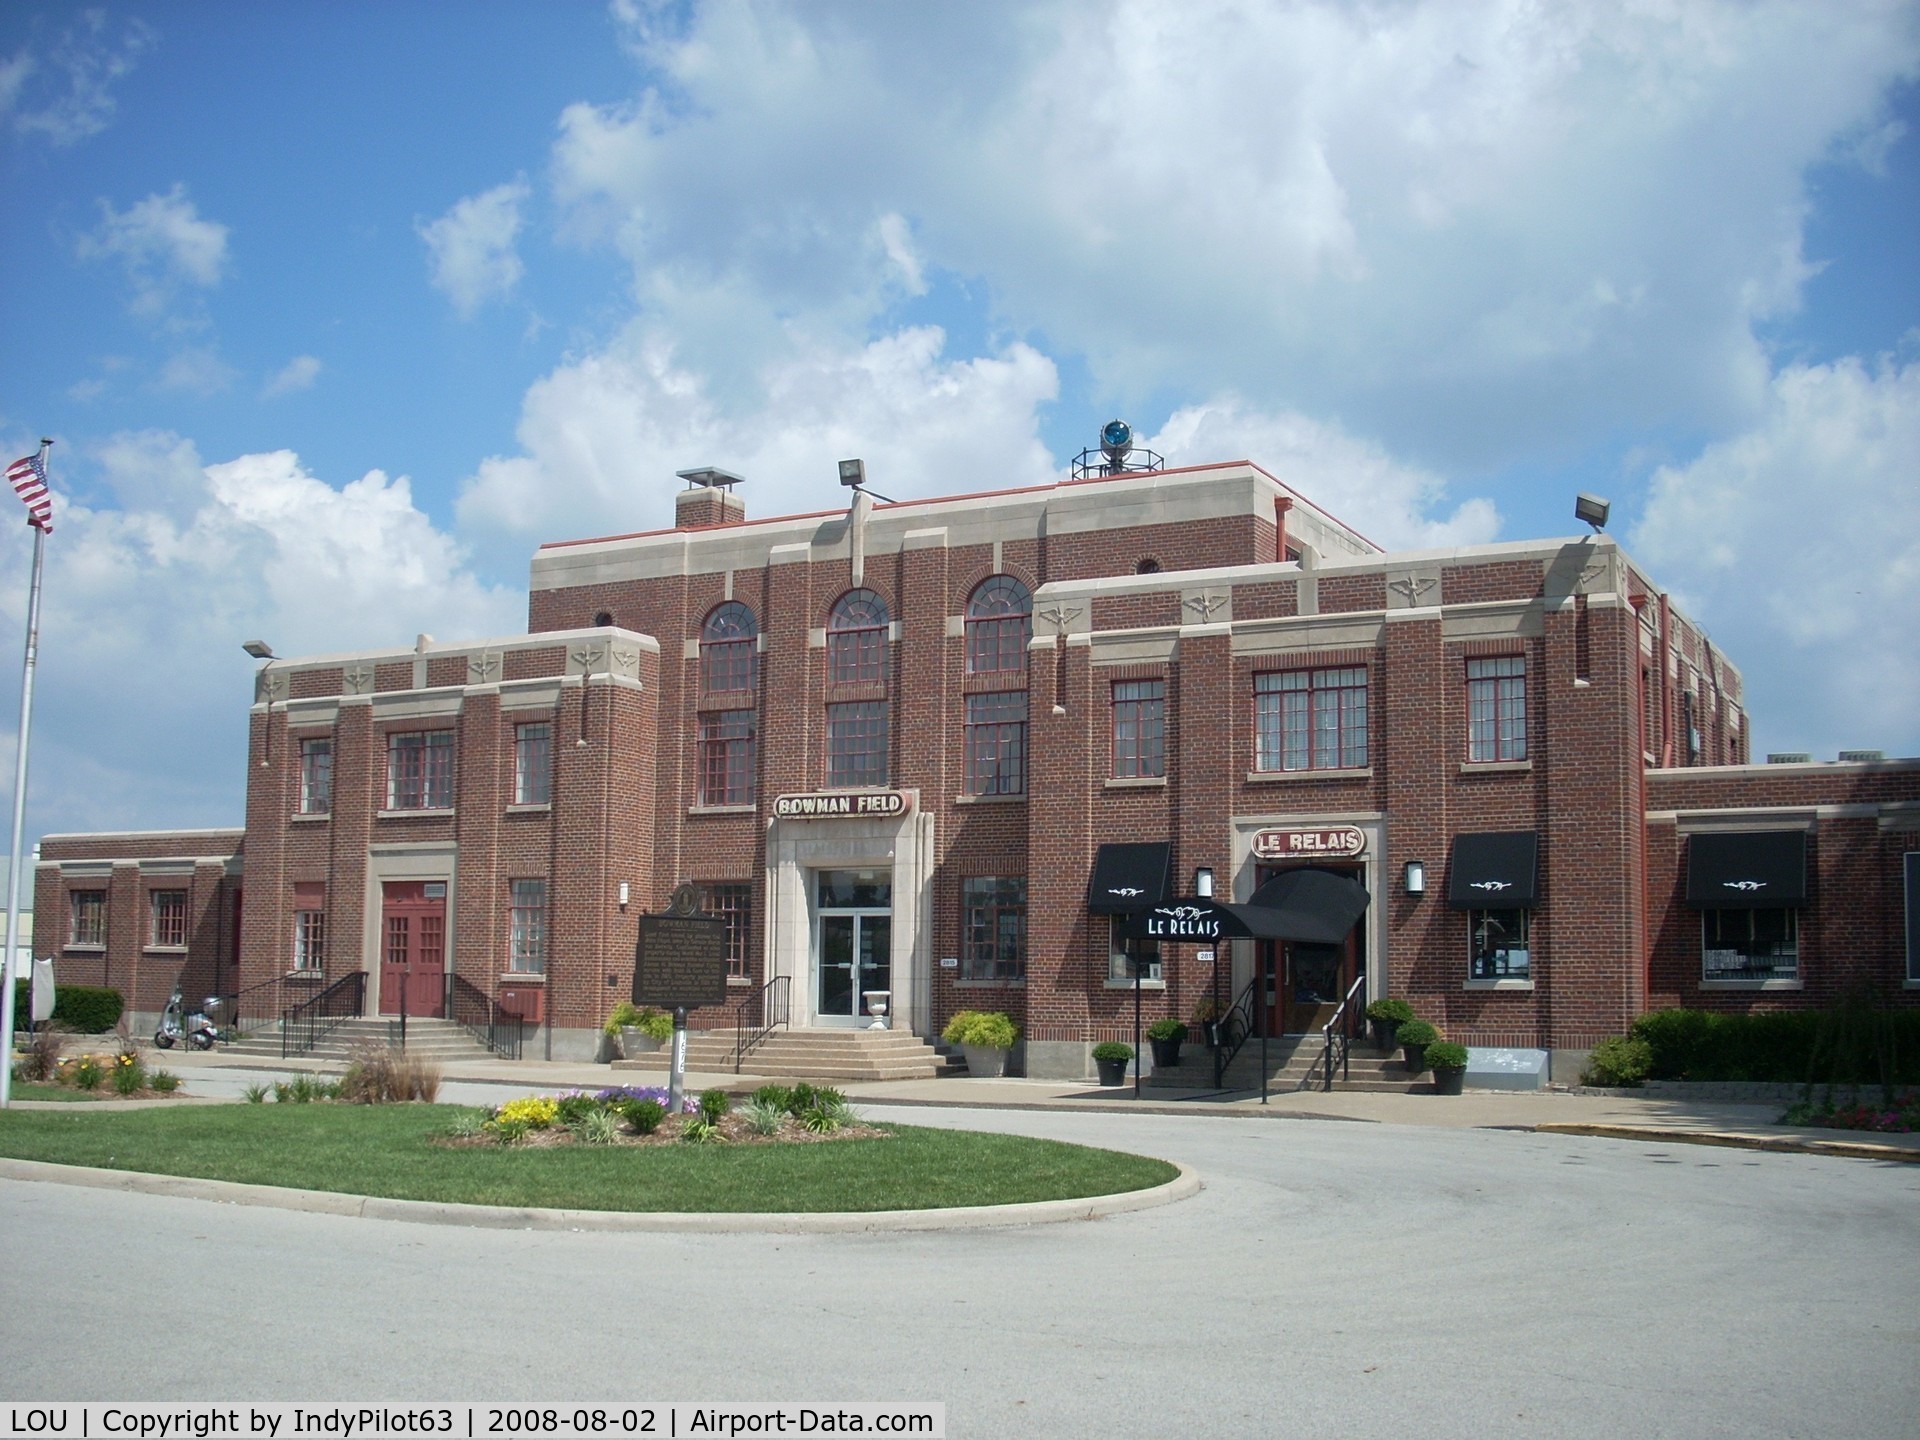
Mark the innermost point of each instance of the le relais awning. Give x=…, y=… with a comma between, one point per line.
x=1307, y=905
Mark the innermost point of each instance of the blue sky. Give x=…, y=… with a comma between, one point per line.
x=337, y=310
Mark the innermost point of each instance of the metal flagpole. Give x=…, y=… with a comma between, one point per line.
x=20, y=798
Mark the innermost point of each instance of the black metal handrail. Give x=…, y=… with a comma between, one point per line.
x=266, y=1002
x=305, y=1025
x=480, y=1015
x=1344, y=1038
x=1232, y=1031
x=755, y=1017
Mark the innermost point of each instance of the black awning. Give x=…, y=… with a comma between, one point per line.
x=1129, y=878
x=1497, y=870
x=1311, y=905
x=1747, y=869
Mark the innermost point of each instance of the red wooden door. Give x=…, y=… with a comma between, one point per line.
x=413, y=947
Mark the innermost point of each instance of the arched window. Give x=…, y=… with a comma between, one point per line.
x=999, y=625
x=726, y=649
x=857, y=639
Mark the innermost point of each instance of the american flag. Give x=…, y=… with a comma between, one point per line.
x=29, y=477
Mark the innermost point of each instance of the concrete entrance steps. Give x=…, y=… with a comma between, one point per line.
x=812, y=1055
x=440, y=1040
x=1293, y=1064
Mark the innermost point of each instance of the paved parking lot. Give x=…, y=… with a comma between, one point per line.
x=1332, y=1278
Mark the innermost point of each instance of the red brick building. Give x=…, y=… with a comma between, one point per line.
x=893, y=744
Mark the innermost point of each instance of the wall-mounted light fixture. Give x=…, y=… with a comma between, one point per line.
x=625, y=894
x=1416, y=877
x=1591, y=510
x=1203, y=883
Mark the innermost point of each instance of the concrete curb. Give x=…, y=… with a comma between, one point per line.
x=491, y=1217
x=1788, y=1144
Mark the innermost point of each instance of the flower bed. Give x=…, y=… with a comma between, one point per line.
x=638, y=1115
x=1901, y=1117
x=123, y=1076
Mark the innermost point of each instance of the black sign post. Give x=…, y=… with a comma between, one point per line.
x=679, y=962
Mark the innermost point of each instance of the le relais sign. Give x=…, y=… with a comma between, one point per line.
x=843, y=805
x=1330, y=842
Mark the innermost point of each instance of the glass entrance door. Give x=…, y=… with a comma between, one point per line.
x=853, y=944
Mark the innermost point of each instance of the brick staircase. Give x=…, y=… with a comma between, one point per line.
x=440, y=1040
x=812, y=1055
x=1293, y=1064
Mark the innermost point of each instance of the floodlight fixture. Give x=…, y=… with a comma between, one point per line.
x=1592, y=510
x=259, y=649
x=853, y=473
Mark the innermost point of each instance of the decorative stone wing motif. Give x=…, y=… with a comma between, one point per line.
x=484, y=668
x=1205, y=604
x=1061, y=616
x=626, y=662
x=1412, y=590
x=272, y=686
x=586, y=660
x=358, y=679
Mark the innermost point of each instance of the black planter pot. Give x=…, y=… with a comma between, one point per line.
x=1450, y=1081
x=1112, y=1072
x=1383, y=1034
x=1416, y=1058
x=1166, y=1053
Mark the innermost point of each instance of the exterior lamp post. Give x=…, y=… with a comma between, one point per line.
x=260, y=650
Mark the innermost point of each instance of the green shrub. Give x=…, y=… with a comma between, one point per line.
x=87, y=1072
x=84, y=1009
x=800, y=1097
x=1618, y=1060
x=699, y=1130
x=129, y=1075
x=765, y=1117
x=1390, y=1011
x=653, y=1023
x=1167, y=1030
x=575, y=1108
x=1855, y=1042
x=985, y=1029
x=1416, y=1032
x=822, y=1118
x=777, y=1096
x=644, y=1115
x=1112, y=1050
x=163, y=1082
x=595, y=1127
x=1445, y=1055
x=714, y=1104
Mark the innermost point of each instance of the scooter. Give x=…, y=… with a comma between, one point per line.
x=197, y=1028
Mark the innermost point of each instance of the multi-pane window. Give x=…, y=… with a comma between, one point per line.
x=1499, y=944
x=1497, y=708
x=857, y=639
x=994, y=929
x=997, y=743
x=726, y=650
x=527, y=926
x=1310, y=719
x=1750, y=944
x=310, y=939
x=532, y=764
x=728, y=902
x=420, y=770
x=316, y=777
x=88, y=911
x=726, y=757
x=857, y=744
x=1125, y=953
x=999, y=625
x=1139, y=729
x=169, y=912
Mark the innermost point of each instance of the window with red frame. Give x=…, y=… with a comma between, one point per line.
x=420, y=770
x=1139, y=729
x=997, y=743
x=1310, y=719
x=88, y=911
x=857, y=639
x=726, y=650
x=726, y=757
x=857, y=745
x=729, y=902
x=1497, y=708
x=169, y=917
x=999, y=625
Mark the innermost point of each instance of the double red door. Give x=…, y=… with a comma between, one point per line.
x=413, y=947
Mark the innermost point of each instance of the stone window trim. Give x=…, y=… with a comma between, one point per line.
x=1296, y=777
x=1135, y=782
x=1494, y=986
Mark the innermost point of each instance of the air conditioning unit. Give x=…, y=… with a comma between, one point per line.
x=1790, y=757
x=1856, y=757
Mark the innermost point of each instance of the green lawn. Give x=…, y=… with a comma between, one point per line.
x=387, y=1151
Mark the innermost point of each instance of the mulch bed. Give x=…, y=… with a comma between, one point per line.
x=735, y=1129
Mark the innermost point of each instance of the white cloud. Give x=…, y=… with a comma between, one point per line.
x=601, y=437
x=1353, y=480
x=471, y=254
x=298, y=373
x=82, y=68
x=1473, y=230
x=170, y=567
x=1797, y=544
x=163, y=245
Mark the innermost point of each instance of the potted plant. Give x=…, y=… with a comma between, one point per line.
x=1206, y=1015
x=1111, y=1057
x=1166, y=1037
x=1414, y=1037
x=985, y=1037
x=640, y=1030
x=1448, y=1062
x=1387, y=1015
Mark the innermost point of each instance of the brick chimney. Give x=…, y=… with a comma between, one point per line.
x=707, y=500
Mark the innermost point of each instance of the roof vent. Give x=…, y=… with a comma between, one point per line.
x=1859, y=757
x=1790, y=757
x=708, y=499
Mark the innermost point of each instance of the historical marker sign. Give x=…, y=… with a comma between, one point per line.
x=680, y=960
